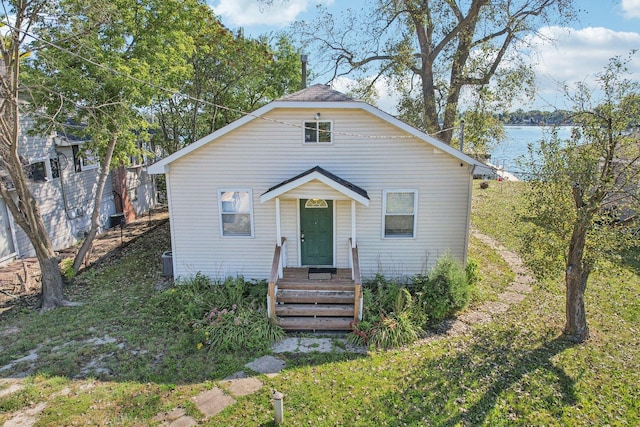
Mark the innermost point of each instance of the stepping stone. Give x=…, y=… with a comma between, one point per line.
x=475, y=317
x=11, y=389
x=521, y=287
x=184, y=422
x=453, y=327
x=236, y=375
x=510, y=297
x=309, y=345
x=494, y=307
x=266, y=365
x=286, y=345
x=213, y=401
x=169, y=416
x=242, y=386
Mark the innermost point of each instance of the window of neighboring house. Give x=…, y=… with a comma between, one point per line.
x=399, y=208
x=141, y=158
x=37, y=171
x=236, y=212
x=55, y=167
x=83, y=159
x=317, y=132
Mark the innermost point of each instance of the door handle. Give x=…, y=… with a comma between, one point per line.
x=302, y=237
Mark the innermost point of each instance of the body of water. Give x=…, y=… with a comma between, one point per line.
x=506, y=154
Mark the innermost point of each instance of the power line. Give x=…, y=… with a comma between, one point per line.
x=192, y=98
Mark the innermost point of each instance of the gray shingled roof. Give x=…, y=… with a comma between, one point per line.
x=319, y=92
x=343, y=182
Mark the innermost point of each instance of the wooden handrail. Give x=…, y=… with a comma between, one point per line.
x=357, y=279
x=273, y=278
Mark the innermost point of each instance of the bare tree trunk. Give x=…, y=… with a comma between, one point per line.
x=95, y=216
x=52, y=295
x=18, y=197
x=576, y=275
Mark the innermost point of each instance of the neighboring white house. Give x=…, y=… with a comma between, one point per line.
x=63, y=181
x=327, y=173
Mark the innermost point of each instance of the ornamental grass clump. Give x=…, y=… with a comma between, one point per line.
x=392, y=326
x=223, y=317
x=237, y=329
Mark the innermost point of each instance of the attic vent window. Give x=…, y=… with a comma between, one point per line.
x=318, y=132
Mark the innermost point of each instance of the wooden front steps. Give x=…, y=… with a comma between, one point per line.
x=303, y=304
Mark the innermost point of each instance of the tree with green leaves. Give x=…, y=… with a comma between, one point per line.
x=21, y=17
x=584, y=194
x=433, y=53
x=100, y=64
x=230, y=74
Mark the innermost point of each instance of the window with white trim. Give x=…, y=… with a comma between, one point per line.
x=84, y=159
x=236, y=213
x=318, y=132
x=399, y=213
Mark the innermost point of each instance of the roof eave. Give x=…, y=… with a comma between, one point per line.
x=276, y=192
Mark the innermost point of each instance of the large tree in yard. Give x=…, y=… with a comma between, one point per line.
x=434, y=52
x=230, y=74
x=21, y=16
x=99, y=64
x=584, y=194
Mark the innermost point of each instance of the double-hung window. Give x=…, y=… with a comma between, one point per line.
x=317, y=132
x=84, y=160
x=236, y=213
x=399, y=212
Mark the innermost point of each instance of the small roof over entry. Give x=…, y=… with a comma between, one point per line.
x=317, y=173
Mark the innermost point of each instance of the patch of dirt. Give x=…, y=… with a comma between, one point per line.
x=20, y=279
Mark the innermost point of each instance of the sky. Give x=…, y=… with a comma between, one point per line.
x=603, y=29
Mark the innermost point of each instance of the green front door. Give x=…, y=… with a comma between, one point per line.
x=316, y=232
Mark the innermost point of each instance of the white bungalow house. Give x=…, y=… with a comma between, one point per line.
x=316, y=186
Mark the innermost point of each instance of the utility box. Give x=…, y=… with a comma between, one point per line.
x=167, y=263
x=117, y=219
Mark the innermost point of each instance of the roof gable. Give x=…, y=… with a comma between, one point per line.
x=342, y=185
x=316, y=96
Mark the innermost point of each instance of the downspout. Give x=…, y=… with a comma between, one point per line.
x=62, y=189
x=468, y=226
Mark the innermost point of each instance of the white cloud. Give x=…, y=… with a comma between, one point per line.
x=253, y=12
x=631, y=8
x=577, y=56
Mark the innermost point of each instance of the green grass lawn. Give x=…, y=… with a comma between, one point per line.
x=514, y=370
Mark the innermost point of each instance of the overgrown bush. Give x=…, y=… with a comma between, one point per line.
x=186, y=302
x=394, y=315
x=225, y=317
x=445, y=291
x=379, y=296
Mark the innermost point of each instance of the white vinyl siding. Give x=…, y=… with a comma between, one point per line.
x=264, y=153
x=399, y=213
x=66, y=199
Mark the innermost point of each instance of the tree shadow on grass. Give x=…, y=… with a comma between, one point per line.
x=490, y=381
x=631, y=259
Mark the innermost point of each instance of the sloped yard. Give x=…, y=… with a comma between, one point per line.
x=120, y=359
